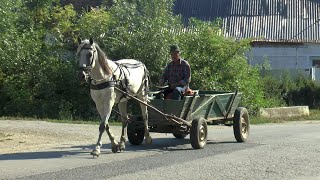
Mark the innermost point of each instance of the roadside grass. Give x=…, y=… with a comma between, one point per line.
x=67, y=121
x=314, y=115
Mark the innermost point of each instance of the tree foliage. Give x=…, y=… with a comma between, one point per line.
x=219, y=63
x=38, y=67
x=142, y=30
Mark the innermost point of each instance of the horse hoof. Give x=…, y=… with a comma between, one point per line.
x=115, y=148
x=95, y=153
x=122, y=147
x=148, y=140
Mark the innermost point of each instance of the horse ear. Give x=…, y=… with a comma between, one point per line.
x=91, y=40
x=79, y=40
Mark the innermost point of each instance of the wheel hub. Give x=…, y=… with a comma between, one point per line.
x=244, y=127
x=202, y=133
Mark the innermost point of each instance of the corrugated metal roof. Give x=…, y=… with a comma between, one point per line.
x=263, y=20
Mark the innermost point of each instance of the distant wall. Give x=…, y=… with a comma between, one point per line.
x=293, y=59
x=285, y=57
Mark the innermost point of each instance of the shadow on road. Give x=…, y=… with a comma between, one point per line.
x=39, y=155
x=159, y=144
x=224, y=142
x=59, y=152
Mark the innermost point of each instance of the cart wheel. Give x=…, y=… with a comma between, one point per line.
x=198, y=133
x=135, y=133
x=241, y=124
x=179, y=136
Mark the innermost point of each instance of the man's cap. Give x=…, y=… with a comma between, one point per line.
x=174, y=48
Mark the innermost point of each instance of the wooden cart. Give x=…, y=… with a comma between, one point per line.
x=191, y=115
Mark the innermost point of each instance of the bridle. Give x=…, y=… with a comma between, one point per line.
x=85, y=69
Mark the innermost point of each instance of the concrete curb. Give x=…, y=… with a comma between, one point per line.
x=284, y=112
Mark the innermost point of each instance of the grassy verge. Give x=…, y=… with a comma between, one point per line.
x=93, y=122
x=314, y=115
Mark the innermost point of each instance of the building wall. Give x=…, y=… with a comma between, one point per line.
x=285, y=57
x=266, y=20
x=304, y=58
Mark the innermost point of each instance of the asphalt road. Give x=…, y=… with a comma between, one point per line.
x=273, y=151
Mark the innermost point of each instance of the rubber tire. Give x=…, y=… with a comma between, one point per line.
x=198, y=129
x=135, y=135
x=241, y=129
x=179, y=136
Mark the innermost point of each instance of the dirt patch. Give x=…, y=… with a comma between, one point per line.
x=22, y=136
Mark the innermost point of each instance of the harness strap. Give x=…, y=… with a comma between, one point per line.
x=102, y=85
x=124, y=86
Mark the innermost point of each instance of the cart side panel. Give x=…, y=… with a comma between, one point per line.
x=171, y=107
x=235, y=105
x=200, y=106
x=214, y=105
x=211, y=105
x=220, y=108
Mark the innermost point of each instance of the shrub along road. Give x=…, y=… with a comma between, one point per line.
x=43, y=150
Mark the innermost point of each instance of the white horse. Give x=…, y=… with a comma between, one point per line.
x=104, y=75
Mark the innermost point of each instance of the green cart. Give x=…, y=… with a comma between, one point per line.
x=191, y=115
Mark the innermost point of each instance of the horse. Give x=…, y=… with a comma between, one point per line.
x=109, y=82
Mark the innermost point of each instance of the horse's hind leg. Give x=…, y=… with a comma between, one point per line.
x=124, y=118
x=144, y=112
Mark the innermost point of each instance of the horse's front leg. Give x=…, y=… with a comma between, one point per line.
x=114, y=143
x=96, y=150
x=104, y=108
x=124, y=119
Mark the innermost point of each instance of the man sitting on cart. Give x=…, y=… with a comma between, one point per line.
x=177, y=74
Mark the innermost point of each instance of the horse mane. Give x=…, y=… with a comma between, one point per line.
x=103, y=60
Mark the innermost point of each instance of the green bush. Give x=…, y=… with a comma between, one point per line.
x=289, y=91
x=38, y=76
x=305, y=92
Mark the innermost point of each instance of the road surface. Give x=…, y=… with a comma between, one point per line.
x=42, y=150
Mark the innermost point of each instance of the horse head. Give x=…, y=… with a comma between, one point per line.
x=87, y=53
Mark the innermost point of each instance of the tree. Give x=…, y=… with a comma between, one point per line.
x=219, y=63
x=142, y=30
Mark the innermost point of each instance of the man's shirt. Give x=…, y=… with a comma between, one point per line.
x=177, y=72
